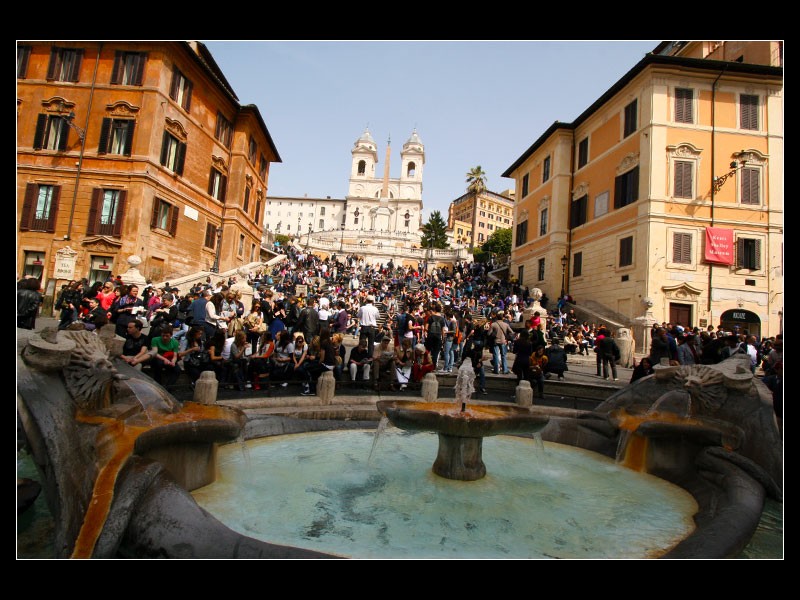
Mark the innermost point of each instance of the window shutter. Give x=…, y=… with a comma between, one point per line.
x=139, y=77
x=27, y=206
x=211, y=182
x=683, y=179
x=154, y=214
x=24, y=55
x=739, y=252
x=76, y=66
x=258, y=211
x=116, y=73
x=173, y=86
x=618, y=191
x=757, y=253
x=120, y=216
x=750, y=186
x=51, y=218
x=187, y=99
x=164, y=141
x=64, y=137
x=223, y=188
x=749, y=111
x=633, y=191
x=38, y=136
x=173, y=226
x=129, y=137
x=55, y=57
x=179, y=158
x=683, y=105
x=105, y=128
x=94, y=211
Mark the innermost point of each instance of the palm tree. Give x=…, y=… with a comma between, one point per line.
x=476, y=178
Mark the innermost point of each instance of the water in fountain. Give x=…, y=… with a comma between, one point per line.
x=315, y=491
x=382, y=424
x=678, y=402
x=242, y=442
x=465, y=384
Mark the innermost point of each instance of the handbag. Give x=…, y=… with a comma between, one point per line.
x=198, y=359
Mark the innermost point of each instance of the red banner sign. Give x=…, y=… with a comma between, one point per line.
x=719, y=245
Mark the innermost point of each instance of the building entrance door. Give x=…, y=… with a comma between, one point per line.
x=681, y=314
x=738, y=320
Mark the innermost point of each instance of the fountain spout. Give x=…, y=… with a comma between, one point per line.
x=465, y=384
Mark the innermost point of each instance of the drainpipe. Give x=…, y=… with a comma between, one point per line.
x=569, y=211
x=83, y=144
x=713, y=138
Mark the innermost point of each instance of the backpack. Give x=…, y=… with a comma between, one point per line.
x=435, y=325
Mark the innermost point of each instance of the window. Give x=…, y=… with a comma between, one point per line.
x=252, y=150
x=524, y=185
x=224, y=132
x=173, y=153
x=211, y=236
x=626, y=188
x=480, y=237
x=577, y=215
x=181, y=90
x=241, y=244
x=252, y=252
x=482, y=225
x=683, y=105
x=412, y=169
x=543, y=222
x=749, y=111
x=748, y=254
x=362, y=167
x=522, y=233
x=128, y=68
x=65, y=64
x=491, y=216
x=546, y=169
x=682, y=248
x=683, y=179
x=750, y=186
x=583, y=152
x=321, y=225
x=541, y=269
x=626, y=252
x=23, y=54
x=246, y=206
x=262, y=169
x=482, y=213
x=520, y=273
x=165, y=216
x=577, y=264
x=217, y=184
x=106, y=212
x=490, y=226
x=116, y=136
x=630, y=118
x=51, y=133
x=39, y=208
x=258, y=210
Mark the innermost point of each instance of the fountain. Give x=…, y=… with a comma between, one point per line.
x=118, y=455
x=461, y=430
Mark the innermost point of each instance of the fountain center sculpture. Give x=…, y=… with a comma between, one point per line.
x=461, y=428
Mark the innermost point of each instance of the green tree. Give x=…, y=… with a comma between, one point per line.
x=476, y=180
x=499, y=242
x=434, y=232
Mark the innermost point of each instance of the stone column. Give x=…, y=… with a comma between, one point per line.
x=326, y=387
x=430, y=388
x=524, y=393
x=205, y=389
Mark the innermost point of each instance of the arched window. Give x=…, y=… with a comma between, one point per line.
x=412, y=169
x=362, y=167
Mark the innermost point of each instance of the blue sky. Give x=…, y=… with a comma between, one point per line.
x=472, y=103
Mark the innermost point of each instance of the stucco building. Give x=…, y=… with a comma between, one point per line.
x=664, y=198
x=481, y=215
x=135, y=148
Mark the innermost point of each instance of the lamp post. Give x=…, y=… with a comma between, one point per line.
x=299, y=233
x=341, y=238
x=720, y=181
x=308, y=237
x=564, y=260
x=215, y=268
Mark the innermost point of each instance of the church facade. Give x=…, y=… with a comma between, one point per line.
x=376, y=204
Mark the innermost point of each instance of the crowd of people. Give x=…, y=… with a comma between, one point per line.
x=431, y=320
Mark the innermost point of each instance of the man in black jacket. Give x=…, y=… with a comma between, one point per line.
x=308, y=320
x=556, y=359
x=609, y=353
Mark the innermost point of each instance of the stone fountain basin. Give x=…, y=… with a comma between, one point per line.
x=478, y=420
x=703, y=431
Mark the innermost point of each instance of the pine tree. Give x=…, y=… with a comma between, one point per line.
x=434, y=232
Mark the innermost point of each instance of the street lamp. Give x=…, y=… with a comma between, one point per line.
x=308, y=237
x=720, y=181
x=341, y=239
x=564, y=261
x=215, y=268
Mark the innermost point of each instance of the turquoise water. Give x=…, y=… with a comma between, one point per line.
x=318, y=491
